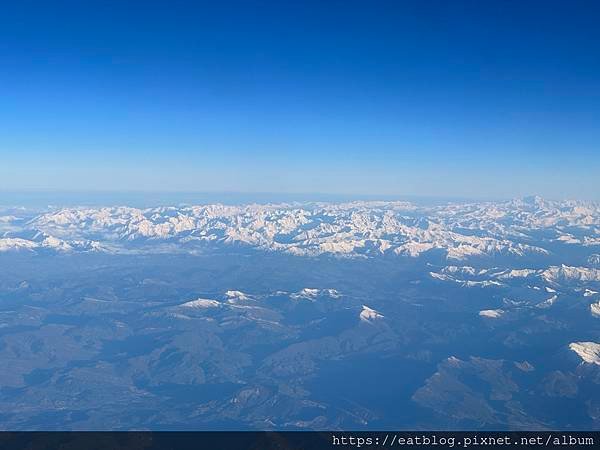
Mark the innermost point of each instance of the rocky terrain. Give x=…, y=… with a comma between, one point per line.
x=365, y=315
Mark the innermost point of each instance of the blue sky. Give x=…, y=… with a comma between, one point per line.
x=477, y=99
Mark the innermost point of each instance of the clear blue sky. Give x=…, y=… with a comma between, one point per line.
x=480, y=98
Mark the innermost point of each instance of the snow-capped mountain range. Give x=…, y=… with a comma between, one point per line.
x=252, y=314
x=460, y=231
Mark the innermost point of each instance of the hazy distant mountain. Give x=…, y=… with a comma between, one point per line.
x=529, y=227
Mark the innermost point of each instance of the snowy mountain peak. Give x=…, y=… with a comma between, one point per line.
x=589, y=352
x=369, y=315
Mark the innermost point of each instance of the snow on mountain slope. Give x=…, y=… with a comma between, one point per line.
x=491, y=313
x=589, y=352
x=201, y=303
x=14, y=244
x=595, y=309
x=236, y=296
x=369, y=315
x=312, y=294
x=565, y=273
x=47, y=243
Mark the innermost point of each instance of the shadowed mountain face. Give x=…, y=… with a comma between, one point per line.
x=378, y=315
